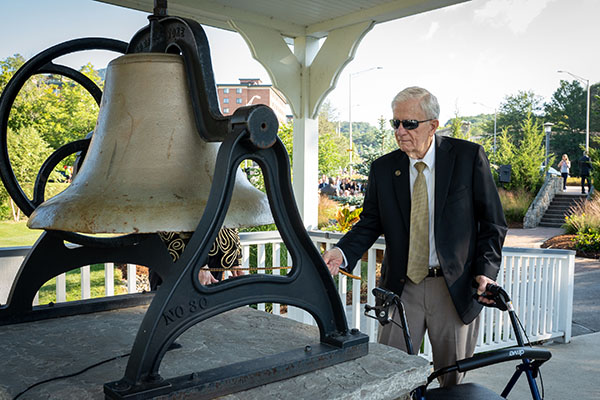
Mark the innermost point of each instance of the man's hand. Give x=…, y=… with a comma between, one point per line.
x=482, y=282
x=333, y=258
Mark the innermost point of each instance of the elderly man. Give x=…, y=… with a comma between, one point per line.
x=436, y=203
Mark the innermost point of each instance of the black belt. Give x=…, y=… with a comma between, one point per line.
x=435, y=272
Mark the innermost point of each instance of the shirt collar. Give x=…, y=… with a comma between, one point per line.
x=429, y=158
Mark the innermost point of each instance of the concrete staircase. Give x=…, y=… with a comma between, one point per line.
x=559, y=208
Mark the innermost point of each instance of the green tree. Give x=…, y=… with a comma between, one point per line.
x=22, y=112
x=327, y=118
x=595, y=110
x=594, y=155
x=514, y=110
x=385, y=136
x=331, y=153
x=58, y=108
x=8, y=67
x=253, y=171
x=506, y=149
x=66, y=111
x=567, y=111
x=385, y=143
x=525, y=156
x=460, y=128
x=27, y=151
x=286, y=134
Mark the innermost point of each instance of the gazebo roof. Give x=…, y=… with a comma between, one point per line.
x=292, y=18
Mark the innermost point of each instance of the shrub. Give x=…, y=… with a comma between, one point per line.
x=327, y=211
x=355, y=201
x=588, y=241
x=346, y=217
x=584, y=216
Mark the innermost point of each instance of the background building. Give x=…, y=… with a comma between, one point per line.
x=252, y=91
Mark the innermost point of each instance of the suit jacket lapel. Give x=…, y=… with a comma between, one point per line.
x=444, y=165
x=401, y=184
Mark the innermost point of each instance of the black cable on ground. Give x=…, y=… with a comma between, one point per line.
x=70, y=375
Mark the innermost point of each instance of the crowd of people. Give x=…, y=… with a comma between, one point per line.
x=337, y=186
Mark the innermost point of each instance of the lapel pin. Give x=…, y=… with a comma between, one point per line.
x=398, y=172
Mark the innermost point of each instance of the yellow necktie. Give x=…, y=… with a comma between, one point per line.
x=418, y=251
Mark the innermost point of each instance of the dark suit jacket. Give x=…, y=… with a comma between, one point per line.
x=584, y=166
x=469, y=220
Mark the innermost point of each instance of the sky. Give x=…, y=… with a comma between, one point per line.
x=470, y=56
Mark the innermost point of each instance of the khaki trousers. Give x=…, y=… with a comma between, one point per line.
x=429, y=307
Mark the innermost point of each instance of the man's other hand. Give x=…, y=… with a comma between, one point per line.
x=333, y=258
x=482, y=282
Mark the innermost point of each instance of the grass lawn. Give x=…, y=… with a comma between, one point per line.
x=73, y=278
x=17, y=234
x=13, y=234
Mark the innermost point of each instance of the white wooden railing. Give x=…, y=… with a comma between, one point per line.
x=539, y=281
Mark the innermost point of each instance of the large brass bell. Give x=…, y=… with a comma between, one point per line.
x=147, y=169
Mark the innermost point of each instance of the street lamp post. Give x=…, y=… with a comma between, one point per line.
x=587, y=119
x=548, y=130
x=495, y=116
x=351, y=149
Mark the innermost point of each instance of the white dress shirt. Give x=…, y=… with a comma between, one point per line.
x=429, y=173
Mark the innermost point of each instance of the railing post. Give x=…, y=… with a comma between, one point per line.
x=276, y=271
x=260, y=263
x=356, y=295
x=85, y=282
x=565, y=295
x=131, y=278
x=61, y=288
x=109, y=279
x=371, y=272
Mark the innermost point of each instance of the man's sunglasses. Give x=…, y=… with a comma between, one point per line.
x=408, y=124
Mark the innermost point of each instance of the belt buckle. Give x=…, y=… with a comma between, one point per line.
x=434, y=272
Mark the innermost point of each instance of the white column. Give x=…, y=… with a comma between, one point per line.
x=306, y=169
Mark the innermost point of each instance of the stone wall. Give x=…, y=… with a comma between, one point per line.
x=540, y=204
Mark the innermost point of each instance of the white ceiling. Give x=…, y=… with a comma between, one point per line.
x=292, y=18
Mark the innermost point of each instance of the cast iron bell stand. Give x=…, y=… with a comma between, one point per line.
x=181, y=301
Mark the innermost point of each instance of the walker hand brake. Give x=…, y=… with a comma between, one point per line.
x=381, y=311
x=495, y=293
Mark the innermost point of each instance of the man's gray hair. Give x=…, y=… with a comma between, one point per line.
x=429, y=103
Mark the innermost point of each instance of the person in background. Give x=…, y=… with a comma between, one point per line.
x=585, y=167
x=329, y=189
x=436, y=203
x=563, y=166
